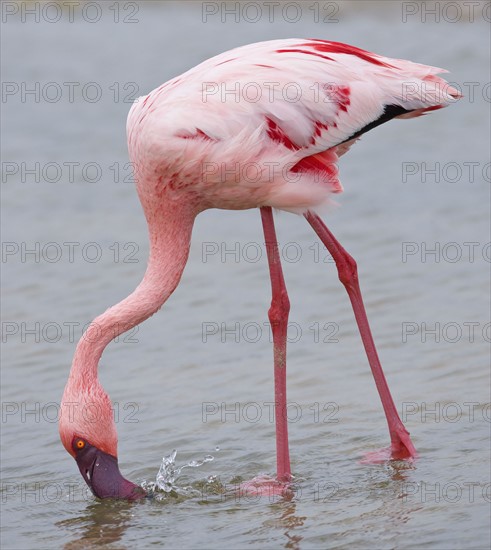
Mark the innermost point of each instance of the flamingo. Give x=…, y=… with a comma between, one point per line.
x=287, y=109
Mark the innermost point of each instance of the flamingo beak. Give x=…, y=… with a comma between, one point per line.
x=101, y=473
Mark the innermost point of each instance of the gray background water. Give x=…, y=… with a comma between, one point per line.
x=409, y=190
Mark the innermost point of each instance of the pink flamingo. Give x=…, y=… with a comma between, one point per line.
x=260, y=126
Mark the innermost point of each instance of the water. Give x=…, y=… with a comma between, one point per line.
x=182, y=381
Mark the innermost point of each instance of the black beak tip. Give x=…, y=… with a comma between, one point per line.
x=135, y=492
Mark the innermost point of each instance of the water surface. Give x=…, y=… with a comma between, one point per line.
x=198, y=375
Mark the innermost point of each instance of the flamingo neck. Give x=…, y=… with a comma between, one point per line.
x=170, y=236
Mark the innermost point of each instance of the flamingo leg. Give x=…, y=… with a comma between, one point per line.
x=278, y=317
x=401, y=444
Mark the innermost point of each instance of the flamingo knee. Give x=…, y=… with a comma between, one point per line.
x=279, y=311
x=347, y=269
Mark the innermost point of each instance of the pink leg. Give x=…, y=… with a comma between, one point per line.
x=278, y=317
x=401, y=444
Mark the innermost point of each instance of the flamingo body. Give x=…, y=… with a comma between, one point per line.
x=260, y=126
x=285, y=109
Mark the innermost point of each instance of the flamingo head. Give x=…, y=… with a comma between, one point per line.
x=88, y=432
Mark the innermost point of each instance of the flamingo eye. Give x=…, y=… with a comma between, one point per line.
x=79, y=444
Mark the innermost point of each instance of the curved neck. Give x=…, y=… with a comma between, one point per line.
x=170, y=235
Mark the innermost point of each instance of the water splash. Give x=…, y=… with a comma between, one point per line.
x=169, y=471
x=168, y=475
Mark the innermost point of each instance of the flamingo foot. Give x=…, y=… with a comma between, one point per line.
x=401, y=448
x=264, y=486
